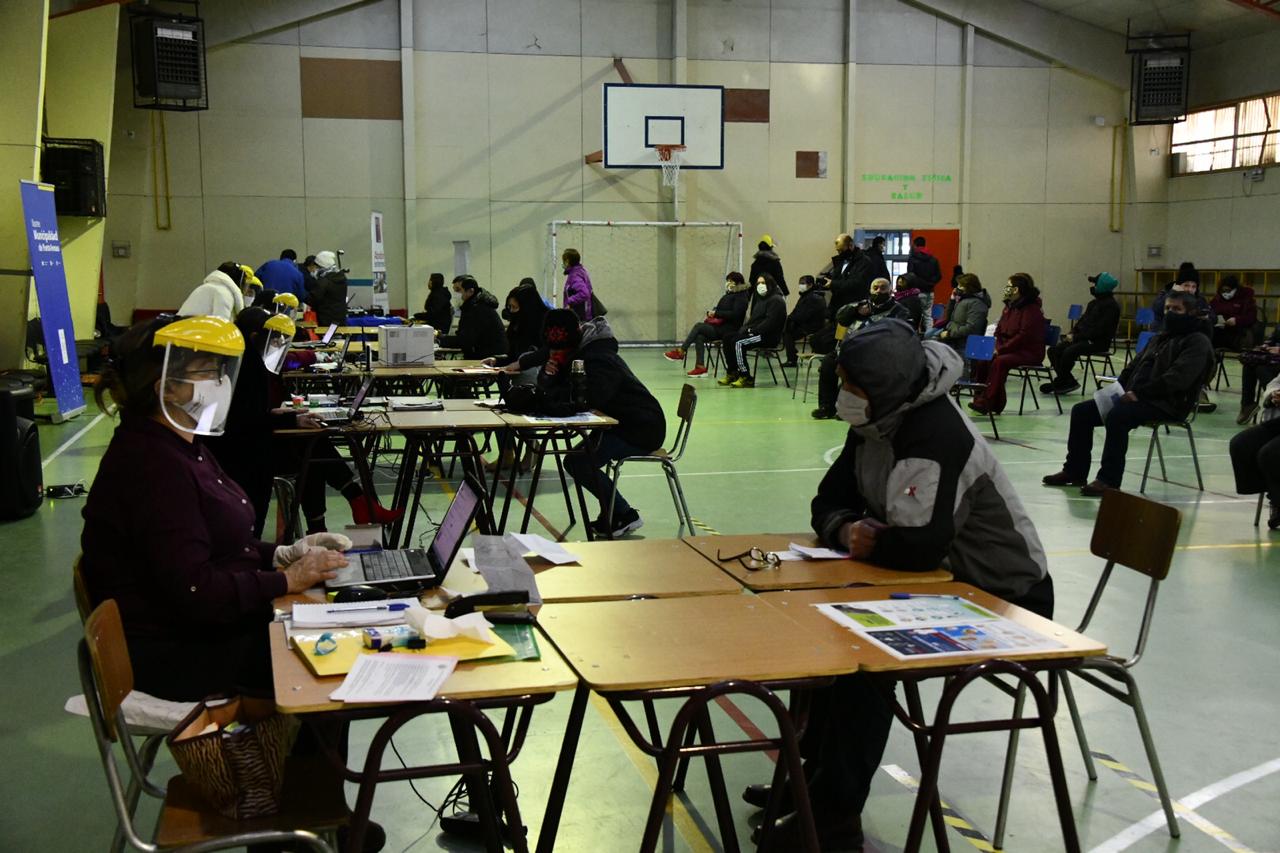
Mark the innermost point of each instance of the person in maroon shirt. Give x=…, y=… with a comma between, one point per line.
x=1236, y=312
x=1020, y=341
x=169, y=535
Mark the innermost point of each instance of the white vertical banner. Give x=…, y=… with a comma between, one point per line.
x=380, y=298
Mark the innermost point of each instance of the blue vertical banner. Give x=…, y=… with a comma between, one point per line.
x=41, y=221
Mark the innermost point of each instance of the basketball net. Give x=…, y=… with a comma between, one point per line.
x=669, y=158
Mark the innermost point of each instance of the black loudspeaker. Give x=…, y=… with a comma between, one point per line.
x=168, y=58
x=21, y=480
x=1160, y=77
x=75, y=168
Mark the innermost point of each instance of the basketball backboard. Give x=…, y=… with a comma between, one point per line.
x=640, y=117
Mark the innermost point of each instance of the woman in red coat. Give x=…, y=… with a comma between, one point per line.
x=1236, y=311
x=1019, y=341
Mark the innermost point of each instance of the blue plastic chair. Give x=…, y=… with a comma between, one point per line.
x=937, y=311
x=976, y=348
x=1143, y=339
x=1074, y=312
x=1146, y=317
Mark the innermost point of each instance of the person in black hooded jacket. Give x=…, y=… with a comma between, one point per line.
x=849, y=276
x=766, y=262
x=480, y=333
x=1092, y=334
x=763, y=328
x=524, y=314
x=612, y=389
x=438, y=309
x=807, y=317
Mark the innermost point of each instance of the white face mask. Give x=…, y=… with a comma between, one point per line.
x=852, y=409
x=762, y=289
x=209, y=403
x=1229, y=294
x=804, y=288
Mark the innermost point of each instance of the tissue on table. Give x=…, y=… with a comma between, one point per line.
x=432, y=626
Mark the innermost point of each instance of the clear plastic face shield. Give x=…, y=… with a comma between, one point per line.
x=277, y=334
x=286, y=304
x=201, y=362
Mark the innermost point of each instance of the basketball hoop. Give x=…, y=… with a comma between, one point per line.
x=669, y=158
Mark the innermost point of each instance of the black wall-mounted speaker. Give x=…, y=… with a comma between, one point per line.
x=75, y=168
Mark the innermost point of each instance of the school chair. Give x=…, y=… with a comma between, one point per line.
x=1074, y=312
x=808, y=360
x=1145, y=319
x=770, y=354
x=1090, y=363
x=1257, y=514
x=665, y=458
x=312, y=796
x=976, y=348
x=937, y=311
x=1138, y=534
x=1032, y=373
x=1185, y=426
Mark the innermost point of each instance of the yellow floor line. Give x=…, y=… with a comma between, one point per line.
x=1079, y=552
x=688, y=828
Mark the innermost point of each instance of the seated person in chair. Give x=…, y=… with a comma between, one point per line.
x=1162, y=384
x=721, y=322
x=807, y=317
x=1091, y=335
x=763, y=328
x=967, y=314
x=1255, y=455
x=169, y=535
x=1019, y=341
x=961, y=512
x=1257, y=368
x=858, y=315
x=1235, y=312
x=480, y=333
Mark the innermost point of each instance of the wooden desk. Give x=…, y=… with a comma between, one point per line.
x=515, y=686
x=801, y=574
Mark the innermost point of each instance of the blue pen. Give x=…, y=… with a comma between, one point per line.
x=394, y=607
x=901, y=595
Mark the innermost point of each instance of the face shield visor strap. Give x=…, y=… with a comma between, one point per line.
x=274, y=349
x=211, y=380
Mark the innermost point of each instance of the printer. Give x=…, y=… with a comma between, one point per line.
x=403, y=346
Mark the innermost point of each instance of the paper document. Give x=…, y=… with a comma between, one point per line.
x=819, y=553
x=394, y=678
x=936, y=628
x=583, y=418
x=552, y=552
x=352, y=615
x=495, y=403
x=475, y=370
x=1106, y=397
x=468, y=556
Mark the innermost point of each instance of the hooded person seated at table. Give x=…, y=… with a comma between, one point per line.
x=611, y=389
x=224, y=293
x=169, y=534
x=914, y=489
x=251, y=452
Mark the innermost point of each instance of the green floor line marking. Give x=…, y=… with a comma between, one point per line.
x=1217, y=833
x=950, y=815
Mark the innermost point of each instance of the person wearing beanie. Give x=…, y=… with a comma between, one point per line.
x=1161, y=384
x=721, y=321
x=807, y=317
x=915, y=487
x=966, y=315
x=612, y=389
x=766, y=262
x=763, y=328
x=327, y=294
x=1019, y=341
x=222, y=293
x=283, y=276
x=1235, y=312
x=1092, y=334
x=1186, y=281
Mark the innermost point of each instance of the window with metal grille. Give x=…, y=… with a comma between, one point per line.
x=1238, y=136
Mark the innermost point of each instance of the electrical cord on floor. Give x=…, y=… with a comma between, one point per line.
x=437, y=809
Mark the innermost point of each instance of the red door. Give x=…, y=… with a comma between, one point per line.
x=943, y=244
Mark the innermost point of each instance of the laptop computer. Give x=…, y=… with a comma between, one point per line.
x=337, y=416
x=323, y=342
x=414, y=567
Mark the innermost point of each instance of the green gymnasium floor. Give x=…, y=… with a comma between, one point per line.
x=1211, y=675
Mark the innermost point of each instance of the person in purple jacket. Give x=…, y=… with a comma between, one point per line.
x=577, y=286
x=169, y=535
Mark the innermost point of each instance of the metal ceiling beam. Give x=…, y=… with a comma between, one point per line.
x=1266, y=7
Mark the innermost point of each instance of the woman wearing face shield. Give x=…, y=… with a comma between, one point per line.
x=251, y=452
x=169, y=535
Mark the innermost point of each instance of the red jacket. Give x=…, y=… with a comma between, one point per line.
x=1020, y=332
x=1242, y=307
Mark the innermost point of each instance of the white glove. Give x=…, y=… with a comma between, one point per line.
x=288, y=554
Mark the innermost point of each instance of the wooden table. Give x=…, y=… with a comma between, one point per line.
x=695, y=649
x=959, y=672
x=514, y=686
x=800, y=574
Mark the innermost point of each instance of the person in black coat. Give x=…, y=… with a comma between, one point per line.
x=721, y=322
x=876, y=255
x=849, y=277
x=612, y=389
x=253, y=455
x=438, y=309
x=524, y=314
x=807, y=317
x=766, y=262
x=480, y=333
x=922, y=263
x=327, y=295
x=1092, y=334
x=763, y=328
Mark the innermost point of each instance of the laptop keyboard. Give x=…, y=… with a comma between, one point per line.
x=386, y=566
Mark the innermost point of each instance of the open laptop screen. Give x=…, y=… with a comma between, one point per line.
x=328, y=334
x=457, y=520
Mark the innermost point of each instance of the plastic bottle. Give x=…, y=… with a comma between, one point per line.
x=578, y=384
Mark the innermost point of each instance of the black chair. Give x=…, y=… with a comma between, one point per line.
x=1034, y=372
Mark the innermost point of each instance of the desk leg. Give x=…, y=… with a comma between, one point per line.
x=925, y=797
x=715, y=778
x=478, y=794
x=533, y=485
x=404, y=483
x=564, y=769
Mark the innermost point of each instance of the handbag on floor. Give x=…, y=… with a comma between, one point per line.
x=232, y=750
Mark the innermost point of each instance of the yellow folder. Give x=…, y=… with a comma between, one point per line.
x=351, y=643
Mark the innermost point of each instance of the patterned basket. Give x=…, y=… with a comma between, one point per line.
x=240, y=772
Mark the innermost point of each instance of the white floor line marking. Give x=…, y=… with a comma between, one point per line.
x=1135, y=833
x=70, y=441
x=830, y=455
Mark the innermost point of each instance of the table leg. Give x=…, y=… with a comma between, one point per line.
x=478, y=794
x=925, y=797
x=715, y=778
x=564, y=769
x=533, y=485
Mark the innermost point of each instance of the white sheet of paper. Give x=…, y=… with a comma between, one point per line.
x=352, y=615
x=394, y=678
x=1106, y=398
x=819, y=553
x=468, y=556
x=789, y=556
x=583, y=418
x=552, y=552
